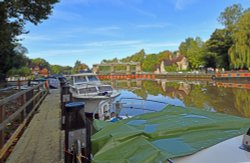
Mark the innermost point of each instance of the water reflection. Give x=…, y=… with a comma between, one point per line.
x=201, y=94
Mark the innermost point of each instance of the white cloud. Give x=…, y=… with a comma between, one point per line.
x=181, y=4
x=66, y=16
x=113, y=43
x=151, y=25
x=36, y=37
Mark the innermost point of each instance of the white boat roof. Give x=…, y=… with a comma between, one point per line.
x=85, y=74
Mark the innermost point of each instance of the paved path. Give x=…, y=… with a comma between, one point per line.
x=42, y=140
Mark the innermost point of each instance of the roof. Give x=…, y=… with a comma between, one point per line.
x=84, y=74
x=174, y=60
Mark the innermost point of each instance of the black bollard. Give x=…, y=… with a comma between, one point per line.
x=77, y=135
x=66, y=97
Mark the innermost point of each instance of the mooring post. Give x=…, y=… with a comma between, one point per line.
x=66, y=97
x=2, y=135
x=23, y=114
x=77, y=139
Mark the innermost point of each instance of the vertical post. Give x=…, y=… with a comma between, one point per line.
x=129, y=83
x=2, y=118
x=66, y=96
x=23, y=101
x=139, y=83
x=18, y=84
x=128, y=69
x=77, y=133
x=138, y=68
x=112, y=66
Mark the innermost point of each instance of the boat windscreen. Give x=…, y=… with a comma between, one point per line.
x=80, y=79
x=93, y=78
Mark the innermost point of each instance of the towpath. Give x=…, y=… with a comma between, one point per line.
x=42, y=140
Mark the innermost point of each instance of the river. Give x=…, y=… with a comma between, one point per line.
x=209, y=95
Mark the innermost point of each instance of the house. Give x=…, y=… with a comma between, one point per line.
x=179, y=60
x=37, y=70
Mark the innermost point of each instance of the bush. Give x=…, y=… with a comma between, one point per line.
x=23, y=71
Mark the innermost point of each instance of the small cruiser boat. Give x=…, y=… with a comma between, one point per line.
x=86, y=87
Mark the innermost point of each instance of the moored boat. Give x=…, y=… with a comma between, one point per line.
x=174, y=134
x=88, y=88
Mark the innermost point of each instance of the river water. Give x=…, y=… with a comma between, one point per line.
x=208, y=95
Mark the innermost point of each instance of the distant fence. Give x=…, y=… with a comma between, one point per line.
x=15, y=112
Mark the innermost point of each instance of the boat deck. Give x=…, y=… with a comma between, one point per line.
x=42, y=141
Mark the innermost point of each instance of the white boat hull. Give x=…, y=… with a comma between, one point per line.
x=92, y=102
x=224, y=152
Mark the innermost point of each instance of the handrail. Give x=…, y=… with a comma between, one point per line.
x=12, y=97
x=29, y=100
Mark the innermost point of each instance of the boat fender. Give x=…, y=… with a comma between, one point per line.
x=246, y=141
x=213, y=77
x=105, y=108
x=103, y=93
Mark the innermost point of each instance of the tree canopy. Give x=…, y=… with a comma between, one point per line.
x=217, y=49
x=13, y=16
x=194, y=50
x=240, y=50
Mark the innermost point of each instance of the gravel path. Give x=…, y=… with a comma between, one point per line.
x=42, y=140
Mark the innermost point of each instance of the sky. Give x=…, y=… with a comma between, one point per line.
x=93, y=30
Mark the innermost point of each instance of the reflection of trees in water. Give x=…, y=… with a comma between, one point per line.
x=224, y=100
x=177, y=90
x=242, y=101
x=149, y=87
x=232, y=101
x=196, y=97
x=141, y=93
x=173, y=90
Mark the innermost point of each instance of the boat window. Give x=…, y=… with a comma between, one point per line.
x=80, y=79
x=87, y=90
x=92, y=78
x=105, y=88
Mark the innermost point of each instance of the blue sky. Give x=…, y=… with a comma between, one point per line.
x=93, y=30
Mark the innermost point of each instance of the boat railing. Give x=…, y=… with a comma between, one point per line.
x=106, y=107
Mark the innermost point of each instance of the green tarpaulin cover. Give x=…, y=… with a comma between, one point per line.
x=155, y=137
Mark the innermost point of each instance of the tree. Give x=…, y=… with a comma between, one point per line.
x=13, y=16
x=149, y=63
x=217, y=49
x=240, y=50
x=137, y=57
x=194, y=50
x=230, y=16
x=56, y=69
x=42, y=63
x=80, y=66
x=164, y=55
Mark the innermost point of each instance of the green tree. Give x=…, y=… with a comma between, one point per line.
x=13, y=16
x=240, y=50
x=164, y=55
x=149, y=63
x=230, y=16
x=42, y=63
x=79, y=66
x=56, y=69
x=194, y=50
x=217, y=49
x=137, y=57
